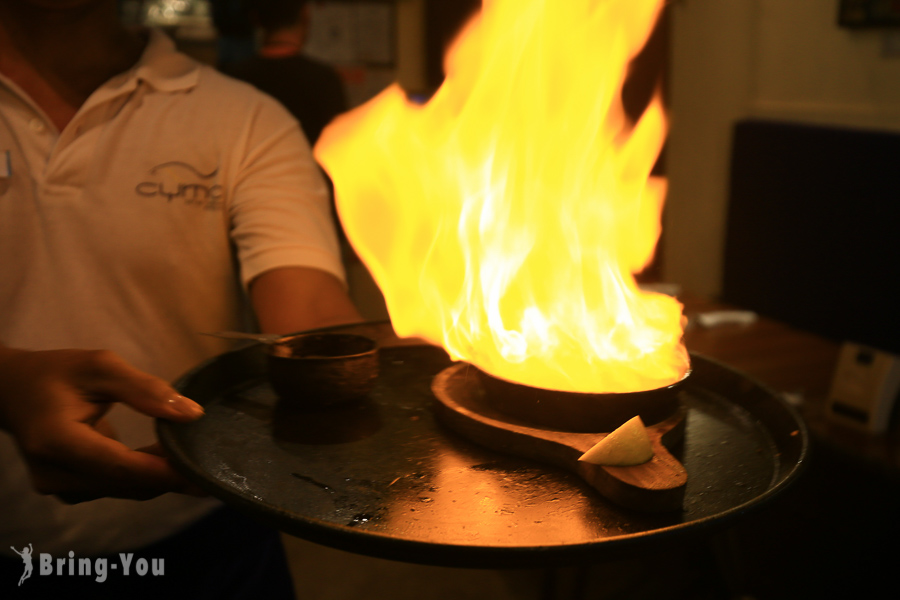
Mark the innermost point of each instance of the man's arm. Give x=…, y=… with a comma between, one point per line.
x=292, y=299
x=53, y=403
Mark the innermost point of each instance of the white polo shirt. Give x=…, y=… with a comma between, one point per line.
x=123, y=232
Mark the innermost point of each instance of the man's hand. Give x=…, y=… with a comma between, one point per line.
x=53, y=403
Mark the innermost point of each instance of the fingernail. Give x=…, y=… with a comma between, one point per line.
x=185, y=406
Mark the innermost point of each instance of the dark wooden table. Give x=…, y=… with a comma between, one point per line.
x=797, y=363
x=786, y=359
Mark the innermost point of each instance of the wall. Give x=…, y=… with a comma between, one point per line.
x=781, y=59
x=411, y=45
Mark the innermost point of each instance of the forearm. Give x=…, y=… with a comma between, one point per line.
x=291, y=299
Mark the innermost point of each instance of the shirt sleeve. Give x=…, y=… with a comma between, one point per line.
x=280, y=209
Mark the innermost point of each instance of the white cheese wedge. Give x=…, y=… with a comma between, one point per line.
x=627, y=446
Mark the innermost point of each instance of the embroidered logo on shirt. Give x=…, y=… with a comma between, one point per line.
x=177, y=181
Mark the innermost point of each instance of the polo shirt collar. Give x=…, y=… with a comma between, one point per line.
x=161, y=66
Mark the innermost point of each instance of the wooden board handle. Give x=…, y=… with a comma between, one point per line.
x=655, y=486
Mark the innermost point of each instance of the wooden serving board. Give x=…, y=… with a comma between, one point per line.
x=655, y=486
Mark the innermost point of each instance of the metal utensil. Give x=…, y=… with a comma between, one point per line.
x=264, y=338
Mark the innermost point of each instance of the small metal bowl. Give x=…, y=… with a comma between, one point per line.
x=319, y=370
x=577, y=411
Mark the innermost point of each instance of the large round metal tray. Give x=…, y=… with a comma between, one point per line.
x=385, y=478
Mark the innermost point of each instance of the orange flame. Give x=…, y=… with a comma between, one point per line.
x=503, y=219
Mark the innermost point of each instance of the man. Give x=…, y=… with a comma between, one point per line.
x=131, y=178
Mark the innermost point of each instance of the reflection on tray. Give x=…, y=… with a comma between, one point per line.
x=336, y=425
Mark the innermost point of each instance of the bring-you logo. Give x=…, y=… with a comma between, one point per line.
x=97, y=568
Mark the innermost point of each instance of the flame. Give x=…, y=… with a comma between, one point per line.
x=504, y=218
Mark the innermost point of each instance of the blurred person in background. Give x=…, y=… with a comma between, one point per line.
x=310, y=89
x=236, y=40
